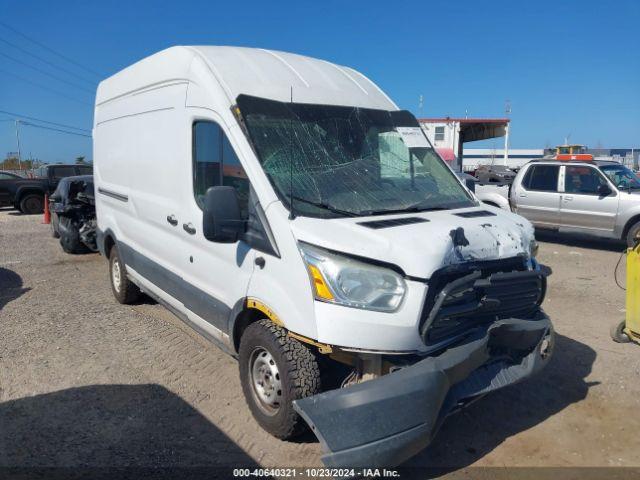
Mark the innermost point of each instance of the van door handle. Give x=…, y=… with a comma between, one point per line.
x=522, y=195
x=189, y=228
x=568, y=198
x=172, y=220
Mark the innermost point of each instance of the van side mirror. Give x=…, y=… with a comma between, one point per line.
x=221, y=218
x=604, y=190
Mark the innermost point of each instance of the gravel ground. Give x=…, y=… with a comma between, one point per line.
x=87, y=382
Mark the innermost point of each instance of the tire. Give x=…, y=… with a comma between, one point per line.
x=289, y=369
x=633, y=235
x=70, y=237
x=32, y=203
x=125, y=291
x=617, y=333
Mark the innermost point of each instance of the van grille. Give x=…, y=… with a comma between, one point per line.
x=481, y=296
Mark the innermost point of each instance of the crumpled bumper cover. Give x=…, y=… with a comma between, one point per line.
x=383, y=422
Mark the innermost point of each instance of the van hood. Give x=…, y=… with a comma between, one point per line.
x=432, y=241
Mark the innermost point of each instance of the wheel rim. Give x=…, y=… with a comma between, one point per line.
x=116, y=275
x=265, y=381
x=33, y=204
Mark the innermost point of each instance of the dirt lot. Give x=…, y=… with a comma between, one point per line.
x=85, y=381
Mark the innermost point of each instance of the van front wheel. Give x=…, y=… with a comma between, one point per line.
x=125, y=291
x=275, y=370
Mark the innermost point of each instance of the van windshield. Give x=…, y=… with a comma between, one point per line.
x=348, y=161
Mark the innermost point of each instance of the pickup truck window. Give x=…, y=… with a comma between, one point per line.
x=584, y=180
x=621, y=176
x=8, y=176
x=216, y=163
x=543, y=178
x=63, y=171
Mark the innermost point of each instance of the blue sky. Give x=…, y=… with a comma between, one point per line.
x=567, y=67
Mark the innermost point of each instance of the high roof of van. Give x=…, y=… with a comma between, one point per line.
x=251, y=71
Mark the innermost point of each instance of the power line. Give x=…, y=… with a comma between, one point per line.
x=47, y=73
x=44, y=88
x=54, y=129
x=64, y=57
x=44, y=60
x=43, y=121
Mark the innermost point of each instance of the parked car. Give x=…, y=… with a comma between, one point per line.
x=600, y=197
x=494, y=174
x=297, y=218
x=73, y=214
x=27, y=194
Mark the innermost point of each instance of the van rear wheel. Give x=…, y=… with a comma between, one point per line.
x=125, y=291
x=275, y=370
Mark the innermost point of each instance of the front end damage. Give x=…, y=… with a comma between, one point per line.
x=487, y=331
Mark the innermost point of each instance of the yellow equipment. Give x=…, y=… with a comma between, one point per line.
x=629, y=329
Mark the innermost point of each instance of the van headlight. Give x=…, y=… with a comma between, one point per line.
x=342, y=280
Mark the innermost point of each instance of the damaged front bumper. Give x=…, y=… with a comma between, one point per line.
x=383, y=422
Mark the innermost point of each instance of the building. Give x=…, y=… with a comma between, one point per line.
x=448, y=135
x=516, y=157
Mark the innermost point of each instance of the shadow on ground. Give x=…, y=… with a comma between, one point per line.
x=114, y=431
x=578, y=240
x=477, y=430
x=10, y=286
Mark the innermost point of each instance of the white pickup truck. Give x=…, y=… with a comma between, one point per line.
x=599, y=198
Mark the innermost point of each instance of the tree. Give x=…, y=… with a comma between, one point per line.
x=80, y=161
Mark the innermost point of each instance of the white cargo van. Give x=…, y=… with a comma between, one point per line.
x=290, y=212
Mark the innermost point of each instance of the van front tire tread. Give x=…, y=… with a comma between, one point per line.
x=300, y=374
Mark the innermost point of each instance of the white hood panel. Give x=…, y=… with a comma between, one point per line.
x=422, y=248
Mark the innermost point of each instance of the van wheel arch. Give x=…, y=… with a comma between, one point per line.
x=109, y=243
x=240, y=323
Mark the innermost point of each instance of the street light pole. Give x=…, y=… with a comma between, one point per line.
x=18, y=143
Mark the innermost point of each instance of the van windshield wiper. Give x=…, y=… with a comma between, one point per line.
x=325, y=206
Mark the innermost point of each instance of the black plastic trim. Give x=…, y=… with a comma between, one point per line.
x=392, y=222
x=112, y=194
x=475, y=214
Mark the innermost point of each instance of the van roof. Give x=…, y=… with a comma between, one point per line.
x=251, y=71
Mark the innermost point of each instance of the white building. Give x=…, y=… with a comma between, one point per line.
x=516, y=157
x=448, y=135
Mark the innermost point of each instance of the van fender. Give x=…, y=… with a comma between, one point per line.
x=238, y=322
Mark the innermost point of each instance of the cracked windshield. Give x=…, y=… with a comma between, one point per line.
x=345, y=161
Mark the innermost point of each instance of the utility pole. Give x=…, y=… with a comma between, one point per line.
x=18, y=143
x=507, y=111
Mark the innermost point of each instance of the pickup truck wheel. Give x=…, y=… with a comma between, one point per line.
x=633, y=235
x=275, y=370
x=31, y=204
x=125, y=291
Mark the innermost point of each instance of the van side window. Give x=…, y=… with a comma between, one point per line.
x=585, y=180
x=543, y=178
x=216, y=163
